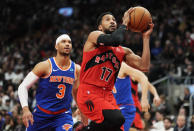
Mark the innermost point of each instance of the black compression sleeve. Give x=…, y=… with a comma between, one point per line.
x=114, y=39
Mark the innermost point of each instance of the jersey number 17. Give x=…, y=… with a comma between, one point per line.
x=104, y=70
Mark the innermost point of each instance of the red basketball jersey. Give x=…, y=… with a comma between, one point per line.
x=100, y=66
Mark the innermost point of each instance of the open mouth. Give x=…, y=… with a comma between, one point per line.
x=112, y=26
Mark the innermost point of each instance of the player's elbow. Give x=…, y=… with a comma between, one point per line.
x=141, y=76
x=144, y=68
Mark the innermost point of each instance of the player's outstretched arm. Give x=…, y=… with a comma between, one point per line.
x=134, y=74
x=142, y=63
x=29, y=80
x=137, y=75
x=114, y=39
x=146, y=46
x=154, y=92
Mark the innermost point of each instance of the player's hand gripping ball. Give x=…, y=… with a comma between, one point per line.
x=139, y=19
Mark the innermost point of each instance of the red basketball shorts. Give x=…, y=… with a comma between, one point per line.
x=137, y=123
x=92, y=100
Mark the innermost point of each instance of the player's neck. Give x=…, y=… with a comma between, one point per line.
x=63, y=61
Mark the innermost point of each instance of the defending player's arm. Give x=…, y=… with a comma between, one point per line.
x=32, y=77
x=137, y=75
x=154, y=92
x=142, y=63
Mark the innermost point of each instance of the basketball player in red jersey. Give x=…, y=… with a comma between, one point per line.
x=102, y=57
x=137, y=122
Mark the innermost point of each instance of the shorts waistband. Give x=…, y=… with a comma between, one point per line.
x=93, y=87
x=51, y=112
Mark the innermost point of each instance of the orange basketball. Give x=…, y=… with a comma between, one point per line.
x=139, y=19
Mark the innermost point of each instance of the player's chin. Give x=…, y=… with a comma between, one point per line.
x=112, y=29
x=66, y=53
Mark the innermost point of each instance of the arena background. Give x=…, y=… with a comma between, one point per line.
x=28, y=29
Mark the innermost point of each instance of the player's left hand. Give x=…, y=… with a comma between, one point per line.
x=156, y=100
x=27, y=117
x=84, y=119
x=145, y=106
x=126, y=16
x=149, y=31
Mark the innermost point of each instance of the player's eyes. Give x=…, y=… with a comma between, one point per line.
x=64, y=41
x=108, y=19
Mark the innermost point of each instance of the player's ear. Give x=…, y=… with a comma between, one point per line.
x=100, y=27
x=56, y=46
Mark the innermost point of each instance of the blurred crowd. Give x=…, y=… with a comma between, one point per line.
x=28, y=30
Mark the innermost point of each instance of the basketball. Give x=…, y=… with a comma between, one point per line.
x=139, y=19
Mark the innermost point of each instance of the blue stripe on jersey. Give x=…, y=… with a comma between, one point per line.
x=54, y=92
x=122, y=91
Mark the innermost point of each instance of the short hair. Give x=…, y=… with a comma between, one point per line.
x=160, y=111
x=99, y=19
x=169, y=119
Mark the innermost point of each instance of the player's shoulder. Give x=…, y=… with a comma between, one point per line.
x=91, y=41
x=94, y=34
x=42, y=68
x=43, y=64
x=77, y=66
x=77, y=70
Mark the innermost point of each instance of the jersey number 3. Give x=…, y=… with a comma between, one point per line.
x=61, y=93
x=104, y=70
